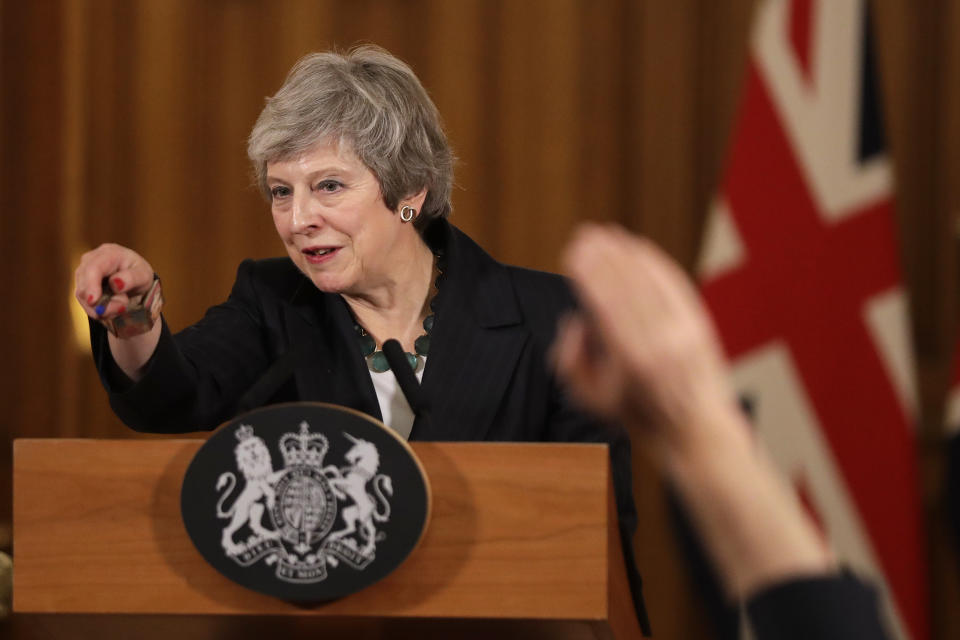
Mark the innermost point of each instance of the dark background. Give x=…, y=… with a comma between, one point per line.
x=125, y=121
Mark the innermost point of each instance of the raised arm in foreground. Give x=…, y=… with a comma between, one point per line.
x=643, y=350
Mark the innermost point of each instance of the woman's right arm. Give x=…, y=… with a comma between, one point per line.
x=159, y=382
x=129, y=275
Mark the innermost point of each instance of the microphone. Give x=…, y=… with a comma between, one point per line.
x=270, y=382
x=406, y=379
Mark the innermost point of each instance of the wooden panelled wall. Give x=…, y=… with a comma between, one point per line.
x=125, y=121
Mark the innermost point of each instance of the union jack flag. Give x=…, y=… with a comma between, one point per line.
x=800, y=270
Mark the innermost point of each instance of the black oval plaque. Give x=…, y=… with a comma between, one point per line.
x=305, y=501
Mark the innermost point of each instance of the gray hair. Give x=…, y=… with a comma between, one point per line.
x=374, y=103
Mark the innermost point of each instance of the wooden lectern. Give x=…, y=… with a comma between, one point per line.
x=522, y=542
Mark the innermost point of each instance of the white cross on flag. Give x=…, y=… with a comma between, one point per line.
x=800, y=270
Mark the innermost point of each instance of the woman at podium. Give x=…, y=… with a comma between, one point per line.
x=353, y=161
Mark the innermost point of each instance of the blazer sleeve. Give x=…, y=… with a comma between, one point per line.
x=830, y=606
x=194, y=379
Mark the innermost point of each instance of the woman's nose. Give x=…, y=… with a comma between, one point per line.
x=304, y=214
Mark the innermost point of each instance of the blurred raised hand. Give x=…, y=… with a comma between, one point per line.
x=643, y=349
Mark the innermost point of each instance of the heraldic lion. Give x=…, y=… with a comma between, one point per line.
x=253, y=459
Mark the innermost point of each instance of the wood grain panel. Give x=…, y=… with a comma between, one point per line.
x=236, y=219
x=34, y=271
x=606, y=118
x=516, y=531
x=667, y=183
x=722, y=33
x=464, y=90
x=538, y=114
x=168, y=170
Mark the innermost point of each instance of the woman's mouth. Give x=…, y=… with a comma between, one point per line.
x=316, y=255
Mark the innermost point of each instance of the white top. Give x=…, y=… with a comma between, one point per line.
x=393, y=405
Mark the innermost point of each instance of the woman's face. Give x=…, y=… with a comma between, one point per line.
x=328, y=210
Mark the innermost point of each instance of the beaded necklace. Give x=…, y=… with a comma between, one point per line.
x=375, y=358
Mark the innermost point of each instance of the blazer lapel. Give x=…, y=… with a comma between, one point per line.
x=331, y=369
x=477, y=339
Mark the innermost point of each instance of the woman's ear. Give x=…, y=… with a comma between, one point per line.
x=416, y=200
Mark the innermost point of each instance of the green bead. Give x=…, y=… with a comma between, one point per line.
x=367, y=344
x=412, y=359
x=428, y=323
x=378, y=362
x=422, y=345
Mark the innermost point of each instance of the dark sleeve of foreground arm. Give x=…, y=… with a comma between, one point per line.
x=837, y=606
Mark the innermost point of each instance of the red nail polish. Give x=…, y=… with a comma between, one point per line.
x=122, y=310
x=117, y=284
x=91, y=299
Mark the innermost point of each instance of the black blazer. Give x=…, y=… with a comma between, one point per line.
x=487, y=376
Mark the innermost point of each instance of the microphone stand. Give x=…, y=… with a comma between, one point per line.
x=407, y=381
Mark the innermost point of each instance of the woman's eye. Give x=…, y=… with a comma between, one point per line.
x=279, y=192
x=328, y=186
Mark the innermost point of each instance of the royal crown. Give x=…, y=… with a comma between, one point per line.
x=304, y=448
x=245, y=432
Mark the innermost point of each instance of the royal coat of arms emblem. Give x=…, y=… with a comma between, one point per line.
x=301, y=503
x=296, y=507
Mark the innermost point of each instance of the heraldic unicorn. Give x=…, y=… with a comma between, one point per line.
x=301, y=504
